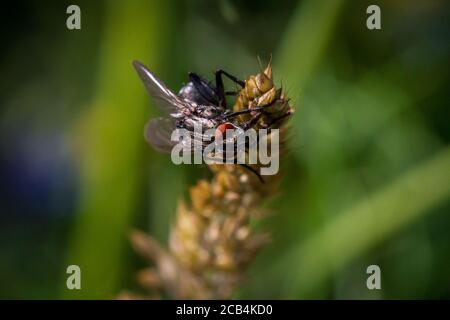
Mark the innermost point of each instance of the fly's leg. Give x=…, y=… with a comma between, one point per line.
x=248, y=124
x=237, y=113
x=220, y=88
x=251, y=169
x=221, y=72
x=287, y=114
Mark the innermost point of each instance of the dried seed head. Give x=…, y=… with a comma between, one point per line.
x=268, y=70
x=267, y=98
x=211, y=242
x=263, y=82
x=251, y=88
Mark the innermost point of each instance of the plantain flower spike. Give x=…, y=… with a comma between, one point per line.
x=211, y=241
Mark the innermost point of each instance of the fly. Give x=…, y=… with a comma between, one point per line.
x=197, y=103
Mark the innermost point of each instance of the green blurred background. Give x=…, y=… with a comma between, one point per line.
x=367, y=180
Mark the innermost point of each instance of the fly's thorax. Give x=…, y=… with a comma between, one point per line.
x=204, y=123
x=208, y=111
x=189, y=110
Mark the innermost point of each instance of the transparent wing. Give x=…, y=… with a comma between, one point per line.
x=165, y=99
x=158, y=133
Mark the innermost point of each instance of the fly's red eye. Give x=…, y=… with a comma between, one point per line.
x=222, y=129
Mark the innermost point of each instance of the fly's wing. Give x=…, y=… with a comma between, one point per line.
x=165, y=99
x=158, y=133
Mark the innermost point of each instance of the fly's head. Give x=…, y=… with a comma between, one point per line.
x=222, y=128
